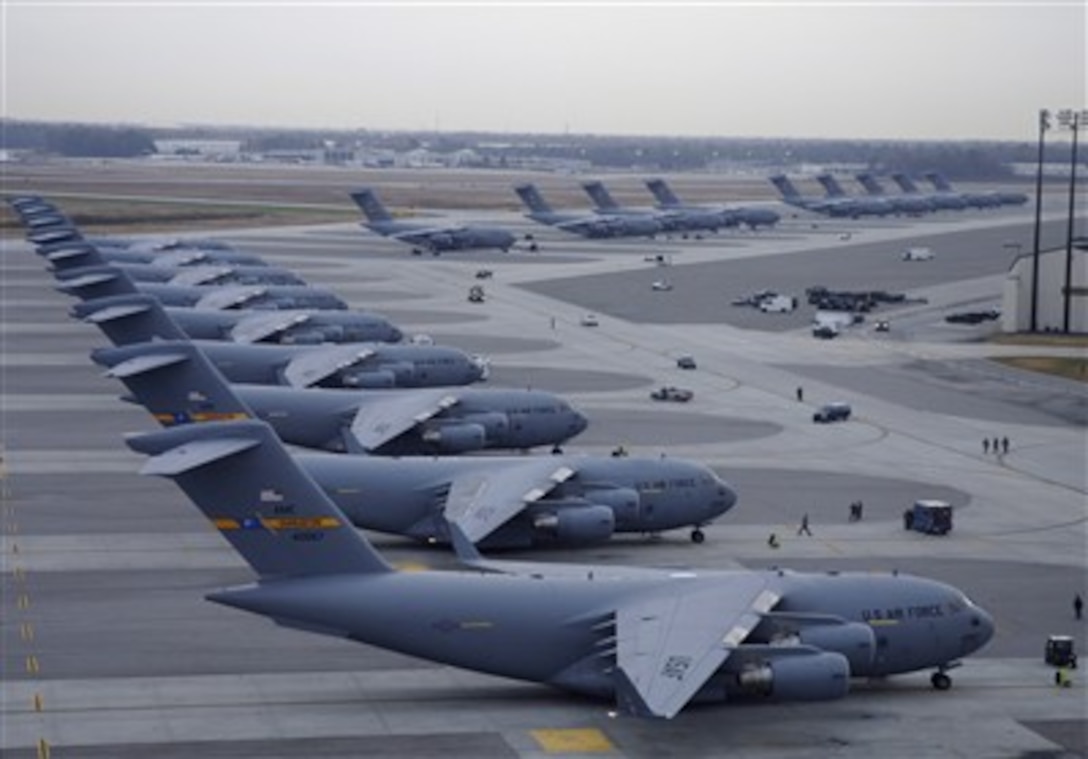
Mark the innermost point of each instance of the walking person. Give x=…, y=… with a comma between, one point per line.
x=995, y=444
x=985, y=445
x=1004, y=445
x=803, y=529
x=800, y=393
x=1078, y=607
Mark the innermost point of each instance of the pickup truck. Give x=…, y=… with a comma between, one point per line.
x=680, y=395
x=832, y=412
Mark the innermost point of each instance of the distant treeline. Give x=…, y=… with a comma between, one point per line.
x=967, y=160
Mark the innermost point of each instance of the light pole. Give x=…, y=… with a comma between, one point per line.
x=1073, y=120
x=1044, y=124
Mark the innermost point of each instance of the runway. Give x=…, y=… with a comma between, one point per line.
x=109, y=649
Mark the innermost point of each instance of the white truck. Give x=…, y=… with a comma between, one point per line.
x=778, y=304
x=918, y=254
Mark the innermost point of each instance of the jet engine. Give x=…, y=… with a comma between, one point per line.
x=495, y=423
x=441, y=242
x=624, y=502
x=578, y=525
x=853, y=640
x=809, y=676
x=456, y=438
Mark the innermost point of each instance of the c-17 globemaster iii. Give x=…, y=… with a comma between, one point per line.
x=650, y=640
x=177, y=384
x=667, y=200
x=90, y=282
x=119, y=315
x=363, y=365
x=594, y=226
x=434, y=238
x=521, y=501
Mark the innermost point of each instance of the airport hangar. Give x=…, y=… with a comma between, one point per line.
x=111, y=651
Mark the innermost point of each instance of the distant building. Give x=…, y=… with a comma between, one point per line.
x=1050, y=317
x=213, y=149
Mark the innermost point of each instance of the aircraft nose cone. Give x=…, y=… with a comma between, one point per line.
x=579, y=422
x=984, y=627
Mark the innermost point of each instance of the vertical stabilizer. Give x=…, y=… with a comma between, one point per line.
x=372, y=208
x=868, y=181
x=939, y=181
x=532, y=198
x=246, y=483
x=174, y=381
x=664, y=195
x=831, y=185
x=600, y=196
x=785, y=187
x=906, y=184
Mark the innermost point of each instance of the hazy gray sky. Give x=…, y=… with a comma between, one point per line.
x=801, y=69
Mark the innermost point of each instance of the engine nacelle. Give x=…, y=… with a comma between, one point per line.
x=283, y=303
x=495, y=423
x=441, y=242
x=303, y=337
x=369, y=380
x=456, y=438
x=853, y=640
x=817, y=676
x=579, y=525
x=624, y=502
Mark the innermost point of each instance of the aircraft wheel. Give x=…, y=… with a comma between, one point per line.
x=697, y=536
x=941, y=681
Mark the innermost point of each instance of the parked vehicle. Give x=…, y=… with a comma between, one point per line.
x=932, y=517
x=685, y=362
x=832, y=412
x=670, y=393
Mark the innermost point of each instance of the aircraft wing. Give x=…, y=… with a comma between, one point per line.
x=264, y=324
x=228, y=297
x=377, y=423
x=668, y=645
x=313, y=366
x=200, y=275
x=480, y=503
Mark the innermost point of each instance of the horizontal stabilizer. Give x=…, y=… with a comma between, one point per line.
x=112, y=313
x=144, y=364
x=85, y=280
x=196, y=454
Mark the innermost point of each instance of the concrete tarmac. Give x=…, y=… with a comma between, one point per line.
x=109, y=650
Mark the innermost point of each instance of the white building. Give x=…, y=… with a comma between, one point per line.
x=1050, y=316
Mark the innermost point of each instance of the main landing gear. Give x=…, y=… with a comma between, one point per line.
x=697, y=536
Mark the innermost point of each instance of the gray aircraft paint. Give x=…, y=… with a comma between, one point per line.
x=652, y=640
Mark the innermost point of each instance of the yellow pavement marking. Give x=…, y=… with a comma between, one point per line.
x=574, y=740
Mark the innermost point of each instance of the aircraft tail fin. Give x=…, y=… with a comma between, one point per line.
x=785, y=187
x=245, y=482
x=661, y=191
x=939, y=181
x=129, y=319
x=831, y=185
x=532, y=198
x=868, y=181
x=368, y=203
x=91, y=282
x=906, y=184
x=174, y=381
x=600, y=195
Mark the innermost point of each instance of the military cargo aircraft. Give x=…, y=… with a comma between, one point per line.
x=939, y=200
x=91, y=282
x=521, y=501
x=591, y=226
x=843, y=207
x=667, y=200
x=651, y=640
x=369, y=365
x=434, y=239
x=124, y=319
x=177, y=384
x=989, y=199
x=908, y=204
